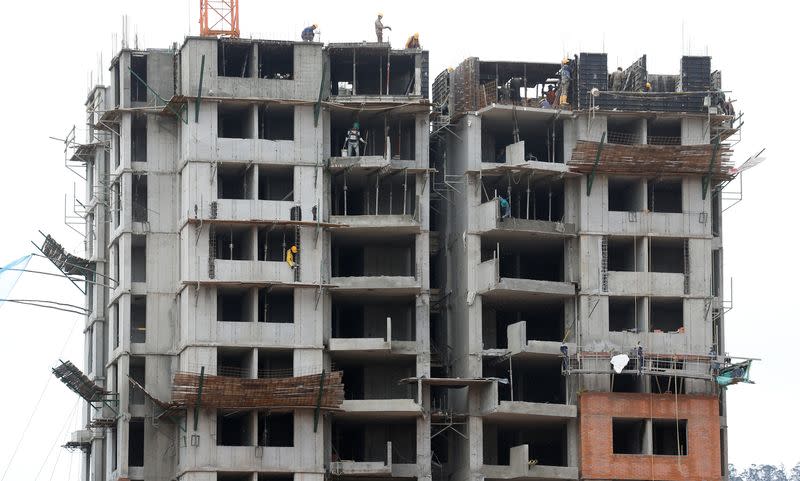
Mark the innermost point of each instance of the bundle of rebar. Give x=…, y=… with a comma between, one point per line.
x=324, y=390
x=652, y=160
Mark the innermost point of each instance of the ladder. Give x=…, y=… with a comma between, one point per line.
x=604, y=263
x=686, y=266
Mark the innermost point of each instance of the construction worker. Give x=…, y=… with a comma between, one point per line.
x=413, y=41
x=565, y=355
x=505, y=208
x=551, y=95
x=617, y=80
x=565, y=74
x=352, y=140
x=640, y=356
x=309, y=32
x=290, y=253
x=379, y=27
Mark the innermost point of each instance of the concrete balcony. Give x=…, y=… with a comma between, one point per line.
x=393, y=284
x=379, y=99
x=396, y=408
x=522, y=410
x=364, y=344
x=256, y=334
x=256, y=458
x=252, y=272
x=364, y=468
x=520, y=346
x=521, y=467
x=532, y=165
x=694, y=224
x=645, y=283
x=493, y=408
x=489, y=283
x=258, y=150
x=244, y=210
x=398, y=224
x=487, y=221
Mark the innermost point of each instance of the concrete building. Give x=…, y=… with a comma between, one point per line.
x=445, y=316
x=611, y=240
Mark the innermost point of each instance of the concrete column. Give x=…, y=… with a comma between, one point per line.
x=253, y=134
x=642, y=128
x=254, y=60
x=254, y=243
x=253, y=304
x=647, y=442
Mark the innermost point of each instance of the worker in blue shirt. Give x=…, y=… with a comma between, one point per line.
x=308, y=33
x=505, y=208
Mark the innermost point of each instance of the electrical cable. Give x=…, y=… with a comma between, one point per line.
x=36, y=406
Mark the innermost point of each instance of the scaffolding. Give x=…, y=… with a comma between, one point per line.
x=80, y=384
x=722, y=369
x=323, y=391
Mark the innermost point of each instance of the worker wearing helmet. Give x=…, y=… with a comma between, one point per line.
x=413, y=41
x=353, y=140
x=647, y=87
x=565, y=75
x=308, y=33
x=379, y=27
x=290, y=253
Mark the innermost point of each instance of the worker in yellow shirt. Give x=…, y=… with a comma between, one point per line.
x=290, y=256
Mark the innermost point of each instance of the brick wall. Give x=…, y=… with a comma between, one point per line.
x=702, y=462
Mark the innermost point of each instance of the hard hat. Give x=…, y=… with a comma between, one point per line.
x=356, y=125
x=565, y=61
x=314, y=25
x=294, y=249
x=647, y=84
x=416, y=34
x=380, y=14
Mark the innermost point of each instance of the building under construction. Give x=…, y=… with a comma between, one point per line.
x=486, y=289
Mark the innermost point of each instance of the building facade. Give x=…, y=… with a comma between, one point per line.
x=468, y=274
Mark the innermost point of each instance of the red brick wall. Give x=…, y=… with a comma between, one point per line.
x=598, y=460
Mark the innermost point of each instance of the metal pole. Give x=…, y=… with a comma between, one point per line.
x=199, y=395
x=528, y=199
x=405, y=189
x=511, y=378
x=354, y=71
x=199, y=90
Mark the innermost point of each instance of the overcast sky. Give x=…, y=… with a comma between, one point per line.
x=49, y=49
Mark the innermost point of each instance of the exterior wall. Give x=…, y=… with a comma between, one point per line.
x=599, y=462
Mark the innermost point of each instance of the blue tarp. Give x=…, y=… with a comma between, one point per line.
x=734, y=373
x=9, y=275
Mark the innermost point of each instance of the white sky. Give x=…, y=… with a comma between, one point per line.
x=49, y=48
